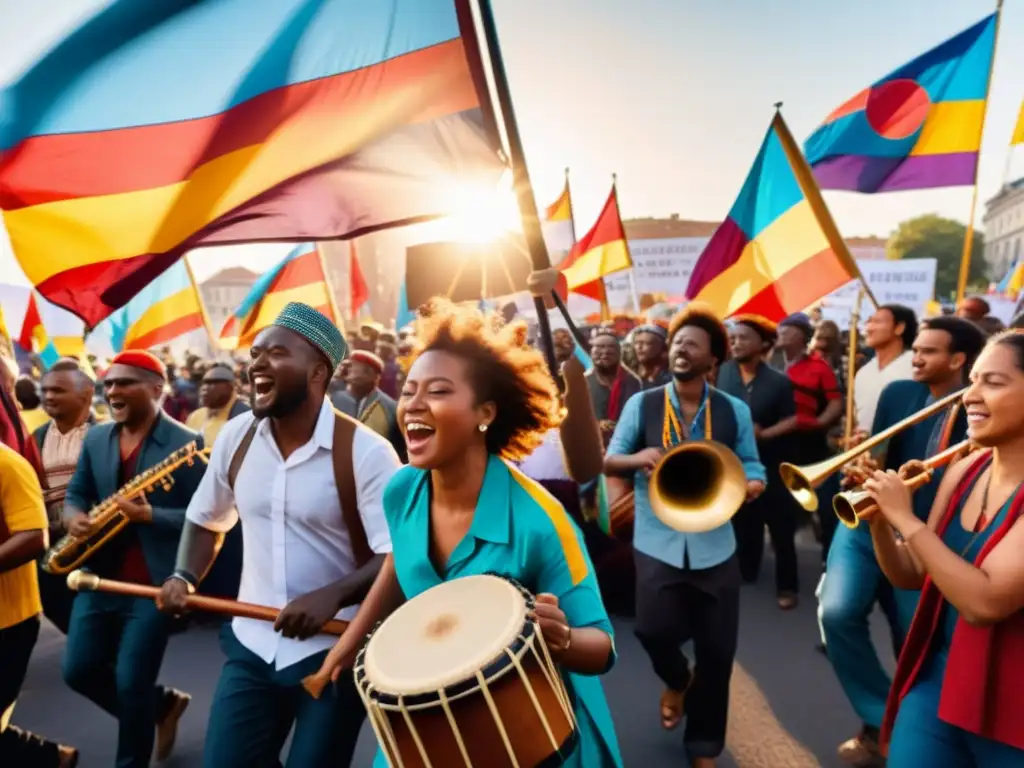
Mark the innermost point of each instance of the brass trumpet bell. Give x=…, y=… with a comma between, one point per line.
x=697, y=486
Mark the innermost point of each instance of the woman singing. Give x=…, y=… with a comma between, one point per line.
x=477, y=398
x=956, y=695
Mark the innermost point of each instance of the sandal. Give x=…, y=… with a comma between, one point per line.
x=672, y=706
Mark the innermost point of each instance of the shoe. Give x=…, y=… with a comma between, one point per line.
x=67, y=757
x=787, y=601
x=863, y=750
x=167, y=728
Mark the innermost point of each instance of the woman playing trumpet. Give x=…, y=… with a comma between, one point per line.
x=955, y=696
x=475, y=397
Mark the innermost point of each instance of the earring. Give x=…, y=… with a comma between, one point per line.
x=482, y=427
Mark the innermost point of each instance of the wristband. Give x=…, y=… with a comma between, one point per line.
x=187, y=579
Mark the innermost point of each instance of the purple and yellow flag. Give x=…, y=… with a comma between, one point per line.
x=299, y=276
x=157, y=127
x=779, y=250
x=917, y=128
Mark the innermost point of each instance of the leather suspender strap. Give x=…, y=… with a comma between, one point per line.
x=344, y=478
x=240, y=451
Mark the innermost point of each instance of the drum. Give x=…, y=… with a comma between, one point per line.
x=460, y=676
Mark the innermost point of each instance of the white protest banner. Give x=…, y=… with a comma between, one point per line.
x=910, y=282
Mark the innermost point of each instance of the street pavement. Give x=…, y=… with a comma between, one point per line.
x=787, y=710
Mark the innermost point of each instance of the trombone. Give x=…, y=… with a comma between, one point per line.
x=854, y=506
x=802, y=481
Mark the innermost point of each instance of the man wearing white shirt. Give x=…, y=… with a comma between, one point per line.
x=305, y=551
x=890, y=333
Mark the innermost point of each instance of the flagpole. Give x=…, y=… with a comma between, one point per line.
x=965, y=259
x=332, y=300
x=213, y=339
x=520, y=175
x=572, y=213
x=805, y=180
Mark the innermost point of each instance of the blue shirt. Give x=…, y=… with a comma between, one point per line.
x=520, y=531
x=651, y=536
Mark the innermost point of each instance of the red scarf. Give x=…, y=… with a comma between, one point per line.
x=984, y=675
x=615, y=396
x=14, y=435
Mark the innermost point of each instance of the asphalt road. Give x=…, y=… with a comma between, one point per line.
x=787, y=708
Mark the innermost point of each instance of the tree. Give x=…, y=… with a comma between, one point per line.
x=934, y=237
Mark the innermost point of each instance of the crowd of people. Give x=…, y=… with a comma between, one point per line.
x=346, y=451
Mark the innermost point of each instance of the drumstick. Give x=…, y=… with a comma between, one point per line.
x=81, y=581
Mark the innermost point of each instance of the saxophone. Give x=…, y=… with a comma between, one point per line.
x=108, y=520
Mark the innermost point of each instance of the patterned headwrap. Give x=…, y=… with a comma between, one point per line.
x=316, y=328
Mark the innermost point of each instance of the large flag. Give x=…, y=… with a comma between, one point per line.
x=778, y=251
x=33, y=338
x=599, y=253
x=147, y=132
x=916, y=128
x=165, y=309
x=1013, y=280
x=404, y=315
x=298, y=277
x=558, y=227
x=1018, y=132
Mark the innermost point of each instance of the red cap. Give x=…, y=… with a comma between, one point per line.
x=367, y=358
x=139, y=358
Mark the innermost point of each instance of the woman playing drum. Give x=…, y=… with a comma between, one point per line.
x=955, y=698
x=477, y=397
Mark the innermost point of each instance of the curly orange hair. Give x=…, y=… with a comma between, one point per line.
x=504, y=370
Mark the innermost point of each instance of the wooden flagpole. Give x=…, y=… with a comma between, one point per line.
x=965, y=259
x=332, y=299
x=214, y=338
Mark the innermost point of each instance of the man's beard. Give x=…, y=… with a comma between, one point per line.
x=695, y=372
x=287, y=402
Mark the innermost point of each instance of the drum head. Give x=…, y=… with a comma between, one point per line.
x=445, y=635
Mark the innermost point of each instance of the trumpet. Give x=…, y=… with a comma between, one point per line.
x=107, y=518
x=697, y=486
x=854, y=506
x=802, y=481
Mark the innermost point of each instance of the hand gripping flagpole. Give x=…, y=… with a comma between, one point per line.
x=521, y=178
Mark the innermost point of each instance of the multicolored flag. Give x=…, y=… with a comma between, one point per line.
x=917, y=128
x=558, y=227
x=403, y=316
x=33, y=338
x=298, y=277
x=146, y=133
x=599, y=253
x=1013, y=280
x=778, y=251
x=167, y=308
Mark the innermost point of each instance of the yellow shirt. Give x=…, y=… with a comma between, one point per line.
x=34, y=419
x=209, y=423
x=21, y=509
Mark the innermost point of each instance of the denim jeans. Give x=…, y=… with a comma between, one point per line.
x=851, y=586
x=115, y=648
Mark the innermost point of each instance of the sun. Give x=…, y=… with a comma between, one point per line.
x=481, y=213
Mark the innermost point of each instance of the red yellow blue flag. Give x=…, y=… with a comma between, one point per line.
x=779, y=250
x=297, y=277
x=165, y=309
x=918, y=127
x=146, y=133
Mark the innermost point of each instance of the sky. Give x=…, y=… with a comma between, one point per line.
x=674, y=96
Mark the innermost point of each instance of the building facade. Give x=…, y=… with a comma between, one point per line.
x=1004, y=229
x=223, y=292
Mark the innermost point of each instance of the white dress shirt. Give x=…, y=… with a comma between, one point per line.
x=294, y=536
x=871, y=380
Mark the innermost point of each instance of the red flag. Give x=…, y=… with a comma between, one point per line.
x=28, y=327
x=359, y=293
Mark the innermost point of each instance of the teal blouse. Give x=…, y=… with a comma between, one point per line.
x=520, y=531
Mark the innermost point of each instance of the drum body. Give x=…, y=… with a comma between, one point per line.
x=460, y=676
